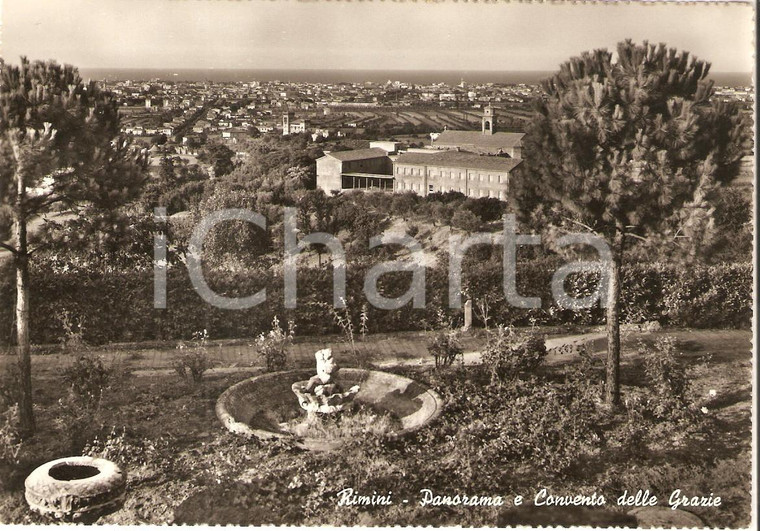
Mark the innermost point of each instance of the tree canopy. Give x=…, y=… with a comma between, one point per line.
x=60, y=135
x=628, y=145
x=627, y=142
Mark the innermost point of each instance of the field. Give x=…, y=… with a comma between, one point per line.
x=431, y=119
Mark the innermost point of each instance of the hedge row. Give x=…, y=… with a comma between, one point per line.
x=118, y=307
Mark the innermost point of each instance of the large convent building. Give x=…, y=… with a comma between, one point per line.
x=475, y=163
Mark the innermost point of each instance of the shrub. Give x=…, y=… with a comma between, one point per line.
x=10, y=441
x=125, y=450
x=486, y=208
x=413, y=230
x=546, y=424
x=466, y=220
x=508, y=353
x=666, y=378
x=708, y=297
x=77, y=417
x=194, y=361
x=73, y=332
x=117, y=305
x=346, y=324
x=486, y=432
x=445, y=348
x=273, y=346
x=86, y=379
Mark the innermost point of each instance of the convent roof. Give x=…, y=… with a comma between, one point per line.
x=358, y=154
x=479, y=140
x=457, y=159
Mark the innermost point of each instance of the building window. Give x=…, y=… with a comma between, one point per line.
x=430, y=188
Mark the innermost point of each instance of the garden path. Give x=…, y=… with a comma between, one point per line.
x=382, y=350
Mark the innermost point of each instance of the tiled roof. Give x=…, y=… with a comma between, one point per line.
x=358, y=154
x=479, y=140
x=457, y=159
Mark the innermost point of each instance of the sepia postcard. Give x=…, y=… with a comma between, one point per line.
x=378, y=264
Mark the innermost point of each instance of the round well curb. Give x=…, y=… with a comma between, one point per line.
x=49, y=492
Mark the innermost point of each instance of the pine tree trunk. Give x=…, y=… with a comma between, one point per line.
x=23, y=340
x=612, y=380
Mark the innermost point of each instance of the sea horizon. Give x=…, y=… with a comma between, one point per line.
x=313, y=75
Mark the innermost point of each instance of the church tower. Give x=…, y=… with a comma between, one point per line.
x=489, y=120
x=287, y=118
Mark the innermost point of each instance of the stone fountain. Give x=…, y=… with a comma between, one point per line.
x=271, y=406
x=322, y=393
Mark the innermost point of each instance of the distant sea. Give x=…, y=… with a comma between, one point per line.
x=419, y=77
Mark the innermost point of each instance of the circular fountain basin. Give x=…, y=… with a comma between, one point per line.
x=258, y=406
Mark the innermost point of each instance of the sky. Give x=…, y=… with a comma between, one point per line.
x=373, y=35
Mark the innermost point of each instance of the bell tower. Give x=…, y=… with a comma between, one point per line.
x=287, y=118
x=489, y=120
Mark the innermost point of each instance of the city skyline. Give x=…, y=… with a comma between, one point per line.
x=362, y=36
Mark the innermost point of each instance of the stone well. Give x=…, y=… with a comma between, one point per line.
x=257, y=406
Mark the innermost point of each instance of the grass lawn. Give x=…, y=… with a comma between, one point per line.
x=184, y=468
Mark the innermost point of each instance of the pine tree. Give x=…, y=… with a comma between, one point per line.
x=59, y=151
x=628, y=147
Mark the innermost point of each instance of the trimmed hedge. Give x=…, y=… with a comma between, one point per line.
x=118, y=307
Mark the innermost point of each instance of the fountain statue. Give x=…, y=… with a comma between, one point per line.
x=322, y=393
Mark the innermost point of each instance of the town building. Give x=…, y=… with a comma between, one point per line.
x=388, y=146
x=291, y=127
x=453, y=171
x=355, y=169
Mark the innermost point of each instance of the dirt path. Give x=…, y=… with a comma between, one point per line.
x=382, y=350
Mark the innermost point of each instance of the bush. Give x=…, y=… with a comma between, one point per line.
x=78, y=412
x=273, y=346
x=666, y=378
x=508, y=353
x=10, y=440
x=72, y=339
x=445, y=348
x=125, y=449
x=549, y=425
x=86, y=379
x=118, y=305
x=194, y=361
x=466, y=220
x=487, y=432
x=708, y=297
